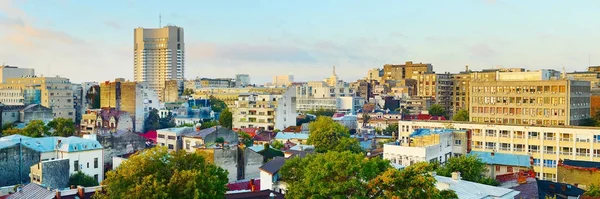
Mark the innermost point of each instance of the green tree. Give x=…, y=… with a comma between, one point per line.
x=217, y=105
x=152, y=121
x=277, y=144
x=245, y=138
x=365, y=119
x=35, y=128
x=593, y=191
x=327, y=135
x=461, y=115
x=209, y=124
x=437, y=110
x=349, y=175
x=220, y=140
x=226, y=119
x=62, y=127
x=81, y=179
x=10, y=129
x=156, y=173
x=187, y=92
x=391, y=129
x=471, y=168
x=322, y=112
x=166, y=122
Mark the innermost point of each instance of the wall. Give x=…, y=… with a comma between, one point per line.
x=9, y=164
x=266, y=181
x=86, y=162
x=594, y=104
x=120, y=144
x=253, y=162
x=35, y=113
x=227, y=159
x=55, y=173
x=576, y=176
x=285, y=113
x=116, y=161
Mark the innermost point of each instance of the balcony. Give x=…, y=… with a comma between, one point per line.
x=519, y=149
x=549, y=138
x=583, y=140
x=534, y=137
x=550, y=152
x=582, y=154
x=490, y=147
x=566, y=139
x=534, y=151
x=504, y=148
x=566, y=153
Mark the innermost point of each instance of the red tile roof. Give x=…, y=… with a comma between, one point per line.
x=294, y=129
x=243, y=185
x=150, y=135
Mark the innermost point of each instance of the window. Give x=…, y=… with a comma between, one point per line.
x=96, y=177
x=95, y=162
x=490, y=145
x=170, y=146
x=509, y=169
x=88, y=165
x=583, y=152
x=161, y=136
x=550, y=163
x=457, y=142
x=497, y=168
x=76, y=165
x=534, y=149
x=170, y=137
x=505, y=146
x=536, y=162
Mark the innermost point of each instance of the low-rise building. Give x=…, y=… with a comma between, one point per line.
x=467, y=189
x=106, y=120
x=502, y=164
x=53, y=174
x=579, y=173
x=427, y=145
x=270, y=179
x=298, y=138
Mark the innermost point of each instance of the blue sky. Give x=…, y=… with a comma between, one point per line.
x=92, y=40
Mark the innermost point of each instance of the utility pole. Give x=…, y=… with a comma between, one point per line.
x=159, y=20
x=20, y=160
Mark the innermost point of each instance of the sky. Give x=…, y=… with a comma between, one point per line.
x=92, y=40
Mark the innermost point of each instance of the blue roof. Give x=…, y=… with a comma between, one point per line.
x=502, y=158
x=287, y=136
x=304, y=147
x=5, y=144
x=49, y=144
x=426, y=132
x=366, y=144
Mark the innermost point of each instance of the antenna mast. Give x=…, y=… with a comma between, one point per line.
x=159, y=20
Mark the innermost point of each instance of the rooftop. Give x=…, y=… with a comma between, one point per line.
x=426, y=132
x=287, y=136
x=502, y=158
x=471, y=190
x=202, y=133
x=581, y=164
x=48, y=144
x=273, y=166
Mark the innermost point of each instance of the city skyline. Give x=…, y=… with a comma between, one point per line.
x=269, y=38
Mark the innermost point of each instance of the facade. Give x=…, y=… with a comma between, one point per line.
x=270, y=179
x=173, y=89
x=159, y=55
x=592, y=75
x=35, y=112
x=282, y=80
x=242, y=80
x=547, y=102
x=438, y=87
x=415, y=105
x=52, y=174
x=472, y=190
x=78, y=95
x=55, y=93
x=405, y=71
x=217, y=82
x=135, y=98
x=375, y=74
x=9, y=96
x=502, y=164
x=84, y=155
x=320, y=95
x=7, y=71
x=106, y=120
x=546, y=144
x=579, y=173
x=230, y=95
x=266, y=111
x=427, y=145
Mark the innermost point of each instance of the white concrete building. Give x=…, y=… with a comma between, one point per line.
x=472, y=190
x=546, y=144
x=242, y=80
x=145, y=100
x=11, y=96
x=265, y=111
x=84, y=154
x=7, y=71
x=426, y=145
x=270, y=178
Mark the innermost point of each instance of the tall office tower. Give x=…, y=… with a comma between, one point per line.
x=158, y=56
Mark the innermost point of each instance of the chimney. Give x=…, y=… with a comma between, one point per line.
x=252, y=186
x=456, y=176
x=57, y=194
x=81, y=191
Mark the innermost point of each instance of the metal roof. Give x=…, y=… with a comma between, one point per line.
x=48, y=144
x=471, y=190
x=426, y=132
x=503, y=158
x=287, y=136
x=273, y=166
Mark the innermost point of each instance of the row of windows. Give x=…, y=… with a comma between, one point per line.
x=503, y=120
x=520, y=111
x=518, y=100
x=519, y=89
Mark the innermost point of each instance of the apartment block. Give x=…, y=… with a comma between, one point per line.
x=266, y=111
x=282, y=80
x=375, y=74
x=7, y=71
x=427, y=145
x=137, y=99
x=534, y=102
x=438, y=87
x=217, y=82
x=405, y=71
x=230, y=95
x=52, y=92
x=547, y=145
x=242, y=80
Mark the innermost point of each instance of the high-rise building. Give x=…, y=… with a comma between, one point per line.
x=14, y=72
x=159, y=55
x=242, y=80
x=406, y=71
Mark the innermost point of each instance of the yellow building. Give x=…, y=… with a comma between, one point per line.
x=438, y=87
x=540, y=102
x=547, y=145
x=55, y=93
x=405, y=71
x=230, y=95
x=579, y=173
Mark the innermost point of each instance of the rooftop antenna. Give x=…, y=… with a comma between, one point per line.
x=589, y=59
x=159, y=20
x=564, y=72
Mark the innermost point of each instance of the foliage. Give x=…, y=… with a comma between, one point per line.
x=437, y=110
x=62, y=127
x=166, y=122
x=461, y=115
x=156, y=173
x=593, y=191
x=152, y=121
x=322, y=112
x=245, y=138
x=348, y=175
x=187, y=92
x=10, y=129
x=209, y=124
x=277, y=144
x=276, y=131
x=226, y=119
x=470, y=167
x=327, y=135
x=81, y=179
x=305, y=119
x=220, y=140
x=391, y=129
x=217, y=105
x=365, y=119
x=35, y=128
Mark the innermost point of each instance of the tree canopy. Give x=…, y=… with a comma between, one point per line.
x=277, y=144
x=593, y=191
x=391, y=129
x=245, y=138
x=187, y=92
x=437, y=110
x=461, y=115
x=64, y=127
x=81, y=179
x=156, y=173
x=226, y=119
x=328, y=135
x=152, y=121
x=348, y=175
x=166, y=122
x=217, y=105
x=322, y=112
x=470, y=168
x=35, y=128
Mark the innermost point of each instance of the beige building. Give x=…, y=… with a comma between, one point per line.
x=217, y=83
x=438, y=87
x=230, y=95
x=54, y=93
x=173, y=89
x=7, y=71
x=592, y=75
x=539, y=102
x=547, y=145
x=159, y=55
x=375, y=74
x=282, y=80
x=405, y=71
x=135, y=98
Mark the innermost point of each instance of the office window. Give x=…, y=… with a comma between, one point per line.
x=76, y=165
